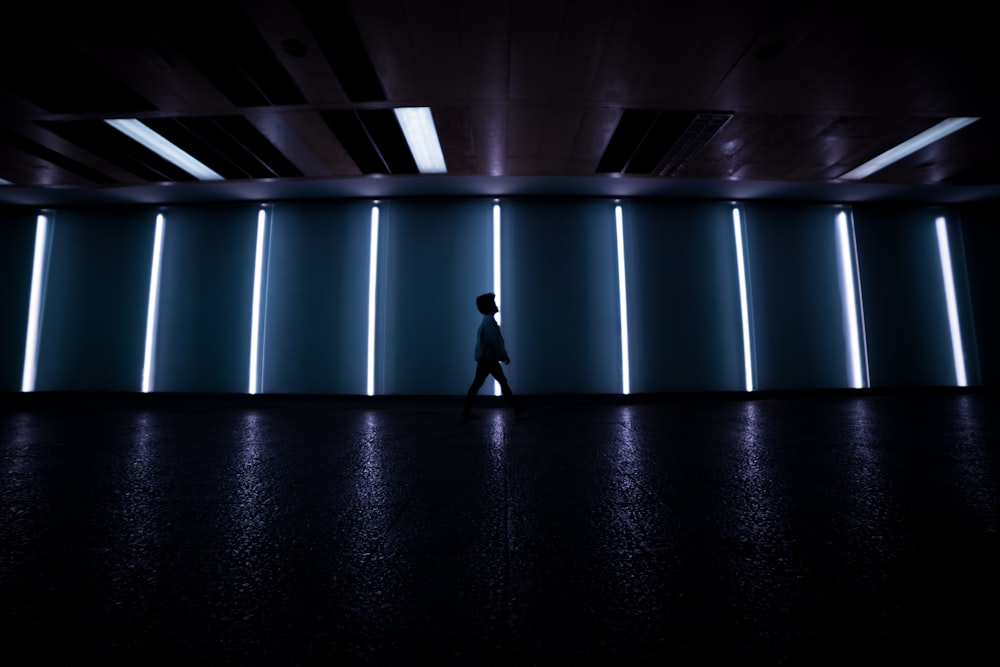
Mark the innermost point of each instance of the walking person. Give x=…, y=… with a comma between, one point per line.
x=490, y=351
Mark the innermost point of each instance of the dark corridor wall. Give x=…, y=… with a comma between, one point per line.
x=324, y=328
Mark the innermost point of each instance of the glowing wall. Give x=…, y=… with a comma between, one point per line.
x=205, y=298
x=436, y=258
x=560, y=296
x=17, y=238
x=316, y=298
x=909, y=340
x=94, y=310
x=560, y=301
x=683, y=293
x=981, y=245
x=797, y=301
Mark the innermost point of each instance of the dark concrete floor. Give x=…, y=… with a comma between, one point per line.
x=681, y=530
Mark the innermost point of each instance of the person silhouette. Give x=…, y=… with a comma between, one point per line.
x=490, y=351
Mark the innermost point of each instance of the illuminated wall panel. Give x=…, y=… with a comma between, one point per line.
x=96, y=298
x=438, y=258
x=206, y=290
x=257, y=302
x=560, y=298
x=684, y=303
x=374, y=243
x=906, y=313
x=798, y=308
x=951, y=300
x=17, y=240
x=981, y=246
x=746, y=294
x=851, y=301
x=623, y=300
x=153, y=307
x=316, y=326
x=36, y=300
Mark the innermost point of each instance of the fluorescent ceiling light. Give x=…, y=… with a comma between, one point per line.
x=168, y=151
x=925, y=138
x=418, y=128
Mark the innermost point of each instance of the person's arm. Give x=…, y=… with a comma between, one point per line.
x=494, y=339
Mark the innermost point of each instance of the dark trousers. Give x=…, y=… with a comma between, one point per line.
x=484, y=369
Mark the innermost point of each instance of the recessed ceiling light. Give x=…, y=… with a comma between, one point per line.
x=925, y=138
x=421, y=136
x=164, y=148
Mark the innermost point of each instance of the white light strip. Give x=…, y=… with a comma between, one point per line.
x=152, y=312
x=421, y=135
x=908, y=147
x=957, y=349
x=35, y=305
x=848, y=277
x=258, y=270
x=744, y=301
x=372, y=275
x=134, y=129
x=496, y=273
x=4, y=181
x=622, y=297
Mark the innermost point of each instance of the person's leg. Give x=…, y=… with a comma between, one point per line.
x=497, y=372
x=482, y=372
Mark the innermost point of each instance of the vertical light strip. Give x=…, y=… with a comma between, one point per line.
x=622, y=297
x=372, y=275
x=860, y=299
x=744, y=301
x=152, y=311
x=35, y=304
x=258, y=270
x=848, y=277
x=957, y=350
x=496, y=271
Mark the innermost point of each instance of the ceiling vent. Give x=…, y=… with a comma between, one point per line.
x=658, y=142
x=695, y=136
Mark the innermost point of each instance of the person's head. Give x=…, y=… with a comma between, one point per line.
x=486, y=303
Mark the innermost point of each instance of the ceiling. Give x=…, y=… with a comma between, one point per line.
x=294, y=99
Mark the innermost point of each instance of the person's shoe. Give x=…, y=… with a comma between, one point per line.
x=469, y=414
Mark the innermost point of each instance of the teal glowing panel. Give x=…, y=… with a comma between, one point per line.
x=93, y=323
x=560, y=308
x=17, y=239
x=981, y=233
x=206, y=296
x=797, y=296
x=315, y=306
x=437, y=257
x=905, y=301
x=684, y=302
